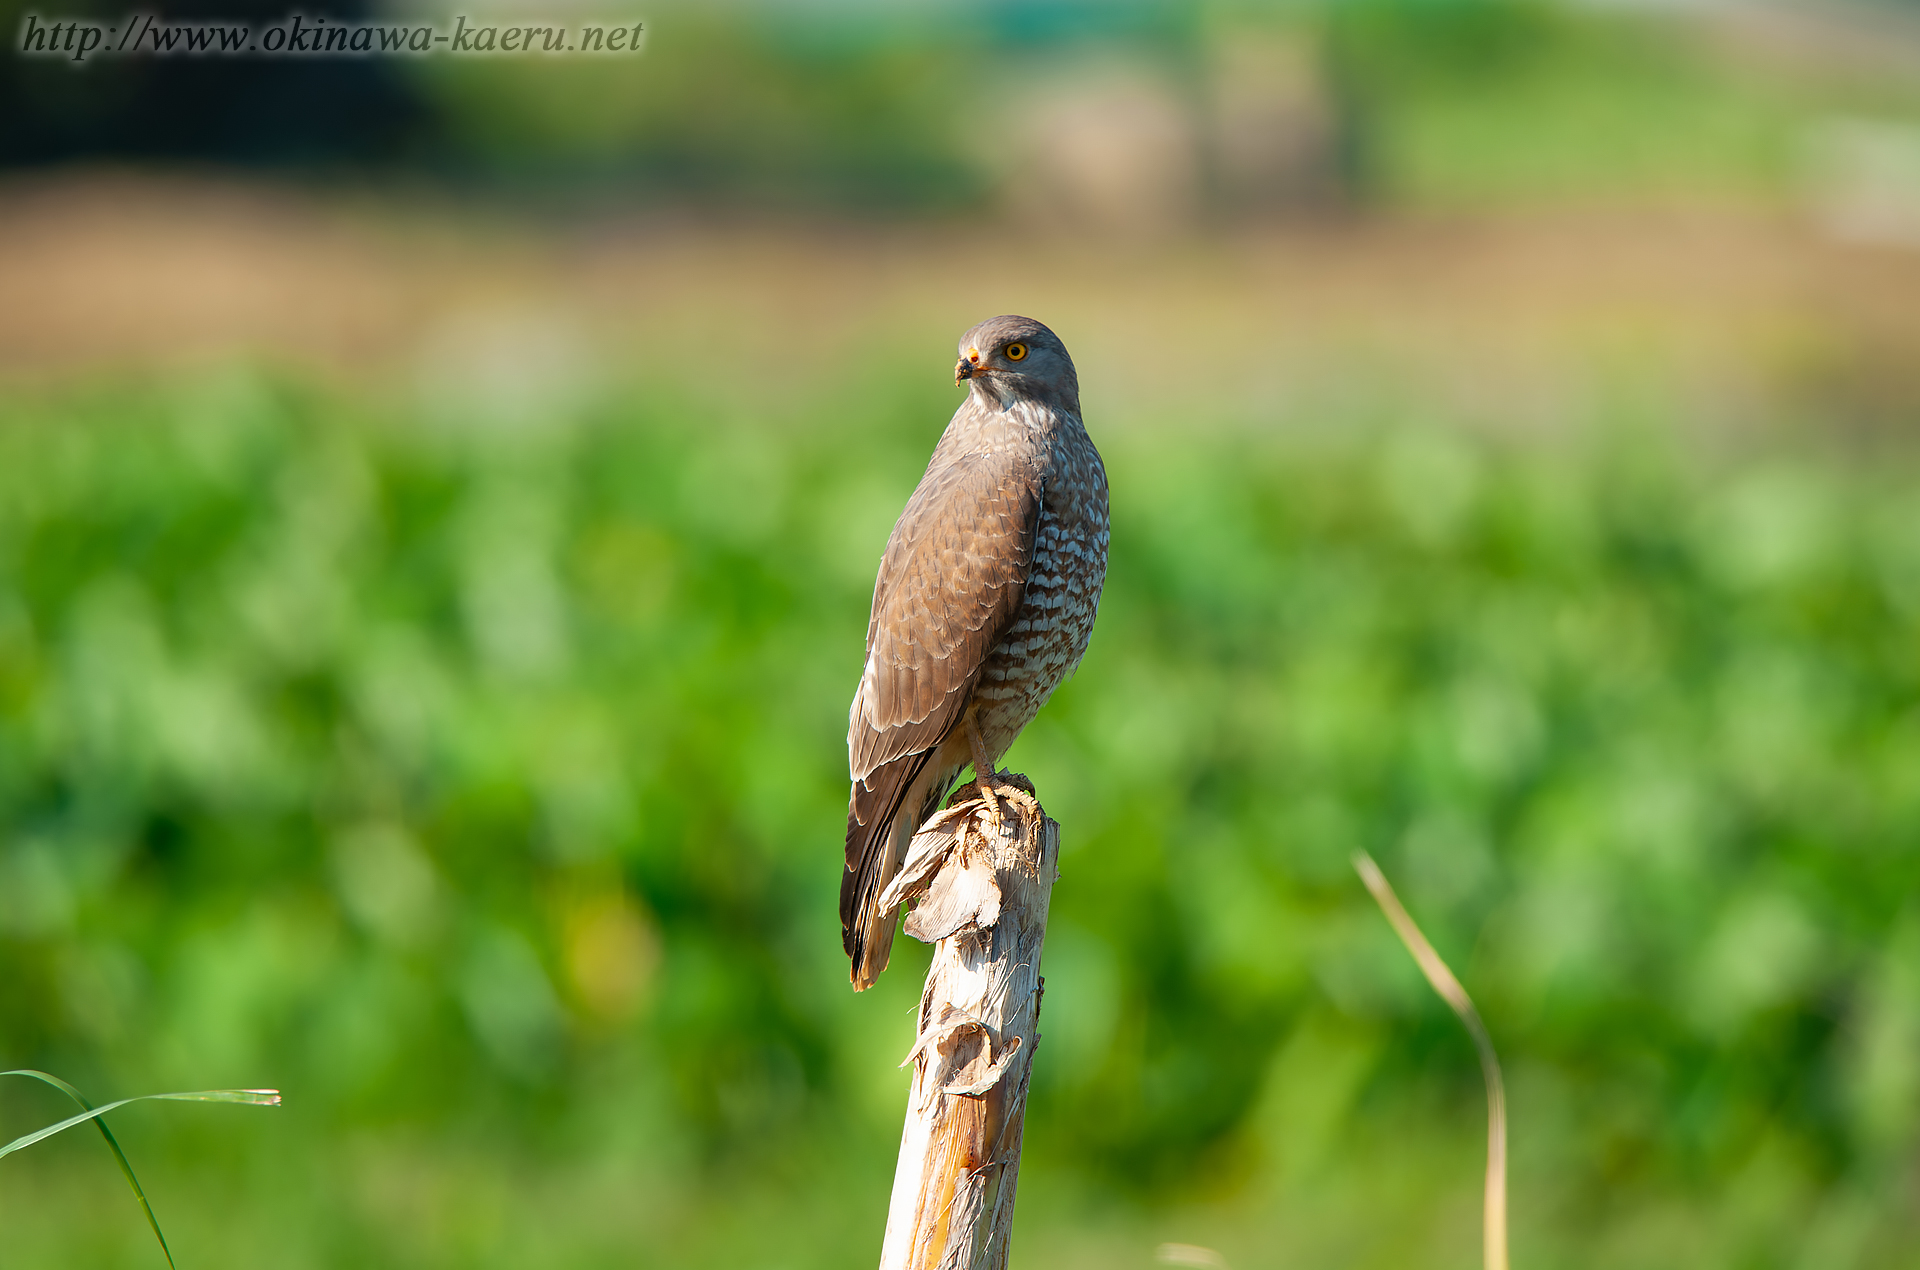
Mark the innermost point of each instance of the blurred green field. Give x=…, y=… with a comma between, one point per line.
x=483, y=790
x=426, y=626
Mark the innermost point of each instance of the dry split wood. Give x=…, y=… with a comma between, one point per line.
x=983, y=876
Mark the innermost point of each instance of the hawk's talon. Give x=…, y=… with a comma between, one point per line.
x=989, y=788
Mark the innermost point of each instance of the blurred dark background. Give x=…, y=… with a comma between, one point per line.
x=439, y=499
x=1232, y=107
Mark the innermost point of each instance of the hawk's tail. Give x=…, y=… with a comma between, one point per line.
x=882, y=814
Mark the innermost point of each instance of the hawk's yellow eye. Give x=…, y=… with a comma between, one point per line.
x=1016, y=351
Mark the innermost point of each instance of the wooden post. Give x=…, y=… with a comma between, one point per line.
x=983, y=880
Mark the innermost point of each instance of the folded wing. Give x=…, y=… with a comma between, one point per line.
x=949, y=585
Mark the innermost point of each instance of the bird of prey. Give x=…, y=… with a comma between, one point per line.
x=985, y=599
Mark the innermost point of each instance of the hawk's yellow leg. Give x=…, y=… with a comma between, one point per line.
x=983, y=773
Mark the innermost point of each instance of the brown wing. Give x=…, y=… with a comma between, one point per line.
x=874, y=855
x=949, y=584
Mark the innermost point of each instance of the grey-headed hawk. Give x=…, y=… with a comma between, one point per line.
x=984, y=604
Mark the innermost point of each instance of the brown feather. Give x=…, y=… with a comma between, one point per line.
x=897, y=798
x=935, y=619
x=949, y=584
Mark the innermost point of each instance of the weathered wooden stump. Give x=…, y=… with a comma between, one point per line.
x=983, y=876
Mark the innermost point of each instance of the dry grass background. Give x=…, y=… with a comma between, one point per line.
x=1749, y=313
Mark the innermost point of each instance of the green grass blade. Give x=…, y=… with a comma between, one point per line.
x=256, y=1097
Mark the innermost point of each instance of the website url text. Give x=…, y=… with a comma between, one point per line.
x=304, y=35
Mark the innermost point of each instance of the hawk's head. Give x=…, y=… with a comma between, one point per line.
x=1010, y=357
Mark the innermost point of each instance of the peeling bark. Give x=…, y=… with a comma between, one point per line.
x=983, y=878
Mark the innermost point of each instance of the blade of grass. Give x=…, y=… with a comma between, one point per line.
x=257, y=1097
x=1450, y=991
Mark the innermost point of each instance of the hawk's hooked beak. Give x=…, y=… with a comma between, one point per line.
x=967, y=367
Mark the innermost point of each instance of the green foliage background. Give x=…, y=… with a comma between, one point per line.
x=483, y=791
x=481, y=786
